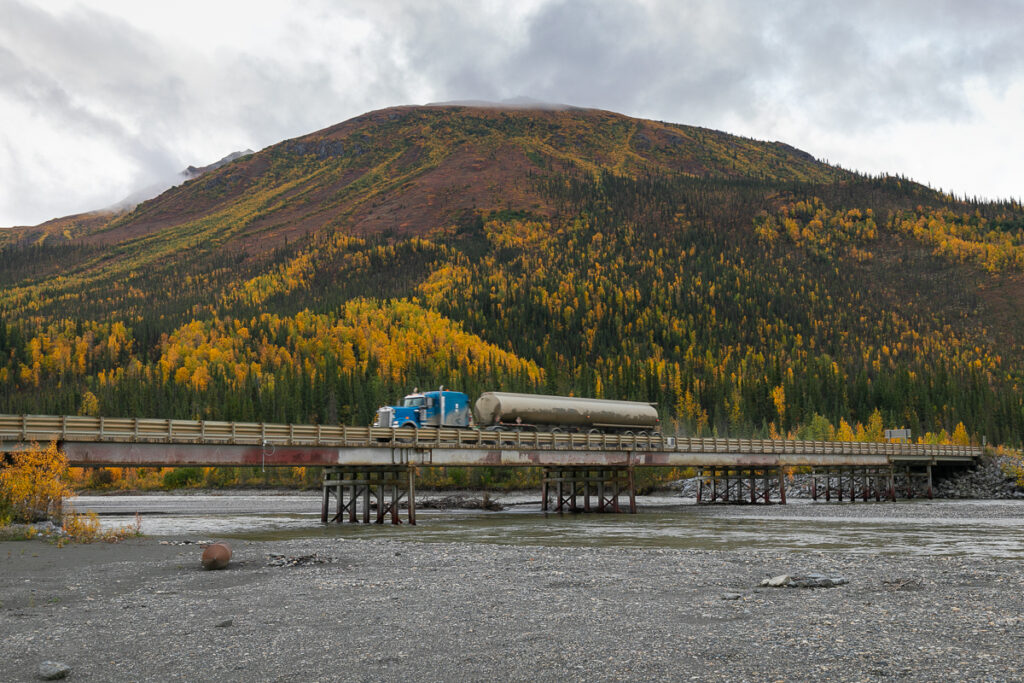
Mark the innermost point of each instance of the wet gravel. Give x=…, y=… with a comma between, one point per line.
x=406, y=610
x=936, y=511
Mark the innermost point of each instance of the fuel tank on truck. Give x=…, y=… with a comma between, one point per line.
x=494, y=407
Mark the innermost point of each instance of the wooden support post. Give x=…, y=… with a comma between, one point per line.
x=353, y=496
x=379, y=491
x=339, y=493
x=559, y=489
x=632, y=487
x=929, y=466
x=395, y=497
x=325, y=506
x=782, y=485
x=412, y=495
x=366, y=499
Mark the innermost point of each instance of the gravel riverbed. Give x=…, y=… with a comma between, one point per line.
x=370, y=609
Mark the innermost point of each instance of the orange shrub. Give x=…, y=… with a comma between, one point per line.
x=35, y=484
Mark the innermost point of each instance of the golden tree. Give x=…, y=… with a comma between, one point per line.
x=35, y=484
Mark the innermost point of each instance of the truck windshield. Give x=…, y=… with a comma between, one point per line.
x=413, y=401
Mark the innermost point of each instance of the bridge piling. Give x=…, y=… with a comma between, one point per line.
x=740, y=485
x=383, y=488
x=857, y=482
x=570, y=484
x=914, y=482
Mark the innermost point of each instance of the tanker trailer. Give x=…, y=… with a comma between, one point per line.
x=501, y=410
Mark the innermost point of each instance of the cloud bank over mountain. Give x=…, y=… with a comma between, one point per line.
x=103, y=98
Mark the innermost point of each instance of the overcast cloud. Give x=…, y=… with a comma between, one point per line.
x=101, y=98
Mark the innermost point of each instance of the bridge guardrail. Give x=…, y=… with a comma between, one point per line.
x=45, y=428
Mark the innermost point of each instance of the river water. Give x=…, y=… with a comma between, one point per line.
x=963, y=528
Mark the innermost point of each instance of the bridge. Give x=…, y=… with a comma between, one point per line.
x=381, y=463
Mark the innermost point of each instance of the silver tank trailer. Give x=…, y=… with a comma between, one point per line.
x=494, y=407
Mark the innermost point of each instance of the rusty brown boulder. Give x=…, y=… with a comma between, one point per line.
x=216, y=555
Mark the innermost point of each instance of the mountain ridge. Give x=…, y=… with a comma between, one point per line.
x=745, y=286
x=649, y=141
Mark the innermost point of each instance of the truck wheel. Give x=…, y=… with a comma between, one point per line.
x=406, y=439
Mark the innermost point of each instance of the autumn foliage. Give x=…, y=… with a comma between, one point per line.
x=34, y=485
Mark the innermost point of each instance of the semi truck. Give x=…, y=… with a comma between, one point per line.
x=427, y=409
x=504, y=411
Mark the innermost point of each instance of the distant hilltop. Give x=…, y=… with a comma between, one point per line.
x=510, y=103
x=155, y=189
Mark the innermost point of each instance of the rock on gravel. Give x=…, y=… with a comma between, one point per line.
x=279, y=560
x=53, y=671
x=805, y=581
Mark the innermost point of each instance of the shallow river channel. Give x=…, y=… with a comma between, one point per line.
x=965, y=528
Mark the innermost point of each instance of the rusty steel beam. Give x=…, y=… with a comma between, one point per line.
x=451, y=457
x=87, y=454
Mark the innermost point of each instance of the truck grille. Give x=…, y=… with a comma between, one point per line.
x=383, y=417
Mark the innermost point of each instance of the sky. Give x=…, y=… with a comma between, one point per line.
x=99, y=99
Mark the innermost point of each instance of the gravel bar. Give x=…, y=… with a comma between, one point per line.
x=373, y=609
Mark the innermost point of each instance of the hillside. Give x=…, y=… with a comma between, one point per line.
x=743, y=285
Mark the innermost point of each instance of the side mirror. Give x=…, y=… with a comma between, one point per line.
x=430, y=402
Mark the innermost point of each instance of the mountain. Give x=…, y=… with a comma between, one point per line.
x=407, y=169
x=743, y=285
x=71, y=227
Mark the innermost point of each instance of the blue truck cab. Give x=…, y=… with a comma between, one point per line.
x=427, y=409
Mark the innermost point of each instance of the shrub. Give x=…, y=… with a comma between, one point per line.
x=35, y=484
x=182, y=476
x=79, y=528
x=101, y=478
